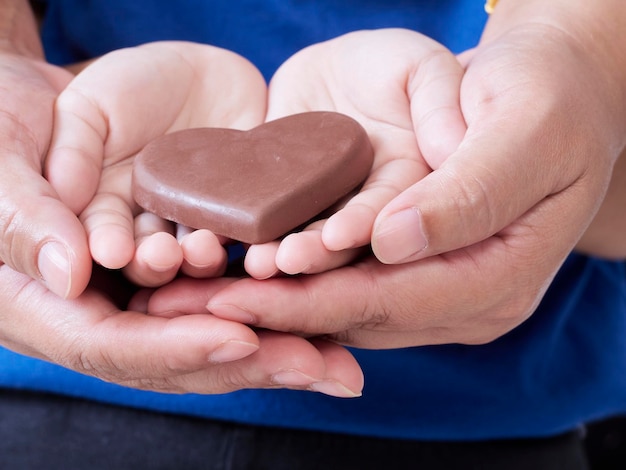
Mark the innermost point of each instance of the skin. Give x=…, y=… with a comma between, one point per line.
x=404, y=90
x=98, y=130
x=502, y=256
x=100, y=125
x=496, y=219
x=605, y=237
x=72, y=315
x=40, y=235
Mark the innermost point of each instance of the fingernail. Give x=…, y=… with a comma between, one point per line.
x=334, y=389
x=230, y=312
x=232, y=350
x=55, y=268
x=291, y=377
x=400, y=236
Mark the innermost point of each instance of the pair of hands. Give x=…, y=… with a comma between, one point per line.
x=102, y=121
x=496, y=253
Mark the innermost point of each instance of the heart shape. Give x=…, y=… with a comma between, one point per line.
x=253, y=186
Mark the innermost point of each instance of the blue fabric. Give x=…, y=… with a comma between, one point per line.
x=564, y=366
x=265, y=31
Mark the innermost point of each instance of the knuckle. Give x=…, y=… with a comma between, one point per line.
x=472, y=196
x=17, y=248
x=504, y=316
x=98, y=363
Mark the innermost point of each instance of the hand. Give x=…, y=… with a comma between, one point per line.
x=39, y=235
x=477, y=241
x=404, y=89
x=109, y=112
x=174, y=353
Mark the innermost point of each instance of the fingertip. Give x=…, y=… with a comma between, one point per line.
x=297, y=251
x=62, y=270
x=160, y=251
x=156, y=262
x=260, y=260
x=232, y=350
x=350, y=227
x=62, y=260
x=112, y=246
x=203, y=254
x=399, y=237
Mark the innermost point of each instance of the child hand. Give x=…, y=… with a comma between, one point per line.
x=404, y=89
x=109, y=112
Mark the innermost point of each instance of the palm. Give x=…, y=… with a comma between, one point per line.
x=401, y=99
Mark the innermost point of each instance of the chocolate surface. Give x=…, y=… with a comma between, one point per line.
x=253, y=186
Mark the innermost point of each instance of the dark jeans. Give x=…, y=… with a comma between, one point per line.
x=40, y=431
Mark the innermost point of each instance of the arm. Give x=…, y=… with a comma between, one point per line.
x=18, y=29
x=606, y=236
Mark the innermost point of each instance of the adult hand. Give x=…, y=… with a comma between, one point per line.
x=549, y=161
x=109, y=112
x=39, y=235
x=472, y=247
x=175, y=353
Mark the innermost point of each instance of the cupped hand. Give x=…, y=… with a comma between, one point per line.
x=39, y=235
x=109, y=112
x=544, y=131
x=170, y=352
x=473, y=246
x=404, y=89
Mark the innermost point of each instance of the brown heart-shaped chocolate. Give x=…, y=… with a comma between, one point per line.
x=253, y=186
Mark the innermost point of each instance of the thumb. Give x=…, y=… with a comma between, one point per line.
x=489, y=182
x=39, y=235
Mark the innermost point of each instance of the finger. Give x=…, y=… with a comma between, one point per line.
x=158, y=255
x=282, y=361
x=268, y=302
x=434, y=92
x=407, y=101
x=74, y=162
x=352, y=225
x=304, y=253
x=108, y=222
x=260, y=260
x=325, y=367
x=511, y=158
x=94, y=338
x=497, y=285
x=288, y=361
x=476, y=201
x=39, y=235
x=100, y=116
x=298, y=253
x=203, y=254
x=186, y=295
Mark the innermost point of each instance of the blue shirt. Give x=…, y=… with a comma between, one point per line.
x=562, y=367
